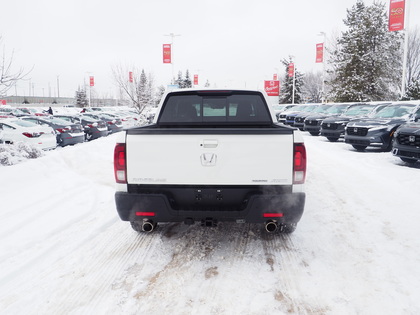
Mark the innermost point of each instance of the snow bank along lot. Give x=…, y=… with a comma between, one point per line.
x=63, y=249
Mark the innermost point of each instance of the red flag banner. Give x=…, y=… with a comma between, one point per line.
x=396, y=15
x=2, y=102
x=130, y=77
x=167, y=53
x=319, y=53
x=91, y=81
x=291, y=69
x=275, y=78
x=272, y=87
x=195, y=79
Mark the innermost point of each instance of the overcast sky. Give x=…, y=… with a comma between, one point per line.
x=227, y=42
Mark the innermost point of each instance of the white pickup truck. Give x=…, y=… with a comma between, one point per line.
x=209, y=156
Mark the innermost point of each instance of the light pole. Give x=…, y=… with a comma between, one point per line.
x=404, y=72
x=172, y=35
x=58, y=86
x=323, y=67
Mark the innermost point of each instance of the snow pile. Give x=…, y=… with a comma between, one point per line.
x=11, y=154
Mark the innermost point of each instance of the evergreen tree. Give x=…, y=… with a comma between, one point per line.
x=81, y=98
x=207, y=84
x=286, y=94
x=142, y=89
x=413, y=91
x=179, y=81
x=184, y=83
x=367, y=60
x=187, y=81
x=160, y=91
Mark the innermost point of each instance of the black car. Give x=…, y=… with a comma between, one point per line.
x=300, y=118
x=312, y=123
x=279, y=108
x=281, y=116
x=378, y=130
x=406, y=144
x=92, y=127
x=67, y=133
x=290, y=117
x=333, y=127
x=113, y=123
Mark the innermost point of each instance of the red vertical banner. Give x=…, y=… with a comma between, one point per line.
x=167, y=53
x=272, y=87
x=275, y=78
x=91, y=81
x=319, y=53
x=195, y=79
x=396, y=15
x=291, y=69
x=130, y=77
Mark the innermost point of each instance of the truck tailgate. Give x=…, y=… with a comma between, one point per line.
x=210, y=159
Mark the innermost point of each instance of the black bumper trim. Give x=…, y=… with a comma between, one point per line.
x=290, y=204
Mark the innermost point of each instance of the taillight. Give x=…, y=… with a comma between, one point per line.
x=145, y=214
x=299, y=163
x=120, y=170
x=62, y=130
x=31, y=135
x=272, y=215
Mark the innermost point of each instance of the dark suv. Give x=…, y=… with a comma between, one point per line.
x=300, y=118
x=378, y=130
x=406, y=144
x=333, y=127
x=312, y=123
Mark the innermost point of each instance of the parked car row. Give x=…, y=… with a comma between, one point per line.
x=63, y=128
x=389, y=126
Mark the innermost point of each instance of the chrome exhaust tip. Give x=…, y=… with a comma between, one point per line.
x=271, y=226
x=148, y=226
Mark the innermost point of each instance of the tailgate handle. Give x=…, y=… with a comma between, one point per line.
x=209, y=143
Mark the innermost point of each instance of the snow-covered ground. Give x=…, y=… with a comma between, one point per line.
x=63, y=249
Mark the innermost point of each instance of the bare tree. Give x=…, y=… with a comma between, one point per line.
x=312, y=87
x=413, y=55
x=135, y=85
x=8, y=77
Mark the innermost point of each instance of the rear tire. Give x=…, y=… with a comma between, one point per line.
x=359, y=147
x=314, y=133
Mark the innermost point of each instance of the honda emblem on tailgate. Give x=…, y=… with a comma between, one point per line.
x=208, y=159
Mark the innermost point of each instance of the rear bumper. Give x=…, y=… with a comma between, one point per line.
x=68, y=139
x=138, y=206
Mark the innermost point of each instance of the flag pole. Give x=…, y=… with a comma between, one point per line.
x=406, y=25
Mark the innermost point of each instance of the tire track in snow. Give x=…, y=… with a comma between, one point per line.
x=287, y=264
